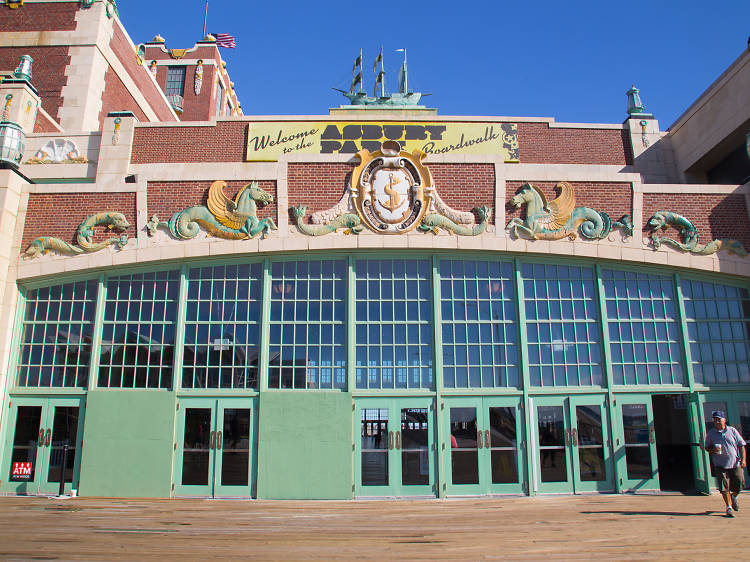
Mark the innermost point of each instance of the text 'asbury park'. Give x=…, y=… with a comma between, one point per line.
x=267, y=141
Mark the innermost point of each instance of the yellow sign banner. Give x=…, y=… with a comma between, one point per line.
x=266, y=141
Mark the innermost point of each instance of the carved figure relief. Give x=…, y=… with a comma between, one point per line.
x=560, y=218
x=221, y=217
x=391, y=192
x=662, y=219
x=84, y=235
x=198, y=78
x=58, y=151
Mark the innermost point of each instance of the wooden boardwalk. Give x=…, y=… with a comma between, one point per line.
x=542, y=528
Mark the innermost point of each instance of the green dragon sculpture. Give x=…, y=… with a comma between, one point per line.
x=661, y=219
x=350, y=221
x=85, y=233
x=432, y=222
x=221, y=217
x=560, y=218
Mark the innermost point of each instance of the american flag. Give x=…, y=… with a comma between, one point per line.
x=225, y=40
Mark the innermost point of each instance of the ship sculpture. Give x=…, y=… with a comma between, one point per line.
x=358, y=96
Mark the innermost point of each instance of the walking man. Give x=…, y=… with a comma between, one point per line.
x=727, y=449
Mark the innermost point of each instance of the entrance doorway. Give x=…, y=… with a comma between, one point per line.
x=673, y=442
x=394, y=448
x=41, y=430
x=216, y=448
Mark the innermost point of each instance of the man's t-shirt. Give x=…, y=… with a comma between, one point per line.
x=730, y=441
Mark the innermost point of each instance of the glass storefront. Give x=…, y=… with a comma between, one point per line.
x=468, y=375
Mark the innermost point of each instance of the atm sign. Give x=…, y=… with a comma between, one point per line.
x=21, y=471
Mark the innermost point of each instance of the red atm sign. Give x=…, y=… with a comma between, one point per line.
x=21, y=471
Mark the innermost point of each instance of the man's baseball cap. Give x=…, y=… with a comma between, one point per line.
x=718, y=414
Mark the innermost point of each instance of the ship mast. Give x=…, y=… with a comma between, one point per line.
x=403, y=87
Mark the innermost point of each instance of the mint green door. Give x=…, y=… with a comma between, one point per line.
x=39, y=431
x=572, y=445
x=483, y=436
x=635, y=443
x=394, y=452
x=215, y=448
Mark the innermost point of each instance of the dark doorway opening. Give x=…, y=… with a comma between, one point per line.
x=673, y=444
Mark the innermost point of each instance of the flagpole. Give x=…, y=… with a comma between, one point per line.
x=205, y=17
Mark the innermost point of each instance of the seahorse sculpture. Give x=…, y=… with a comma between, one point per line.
x=350, y=221
x=85, y=232
x=560, y=218
x=433, y=222
x=661, y=219
x=221, y=217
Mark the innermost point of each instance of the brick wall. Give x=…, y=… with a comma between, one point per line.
x=318, y=186
x=166, y=198
x=465, y=186
x=615, y=199
x=40, y=17
x=224, y=142
x=126, y=55
x=540, y=144
x=60, y=214
x=43, y=124
x=48, y=69
x=715, y=216
x=195, y=107
x=117, y=97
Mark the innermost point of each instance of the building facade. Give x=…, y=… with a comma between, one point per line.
x=380, y=301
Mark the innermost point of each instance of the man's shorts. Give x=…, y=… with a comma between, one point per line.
x=730, y=479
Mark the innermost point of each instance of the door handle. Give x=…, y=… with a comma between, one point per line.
x=219, y=440
x=390, y=440
x=40, y=443
x=212, y=440
x=398, y=440
x=567, y=437
x=575, y=437
x=486, y=438
x=48, y=437
x=479, y=441
x=651, y=435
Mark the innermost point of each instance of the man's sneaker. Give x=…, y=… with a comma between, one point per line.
x=730, y=512
x=735, y=503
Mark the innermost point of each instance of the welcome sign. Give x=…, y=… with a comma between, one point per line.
x=266, y=141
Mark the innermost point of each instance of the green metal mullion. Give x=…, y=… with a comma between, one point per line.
x=96, y=338
x=179, y=339
x=607, y=355
x=437, y=361
x=687, y=356
x=523, y=354
x=351, y=333
x=11, y=378
x=696, y=399
x=265, y=327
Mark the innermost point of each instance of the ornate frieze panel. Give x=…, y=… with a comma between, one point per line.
x=108, y=219
x=663, y=219
x=391, y=192
x=561, y=218
x=221, y=217
x=58, y=151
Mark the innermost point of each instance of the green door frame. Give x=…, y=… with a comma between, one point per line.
x=485, y=445
x=620, y=440
x=40, y=485
x=395, y=453
x=213, y=487
x=571, y=447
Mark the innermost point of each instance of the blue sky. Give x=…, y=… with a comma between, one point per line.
x=572, y=61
